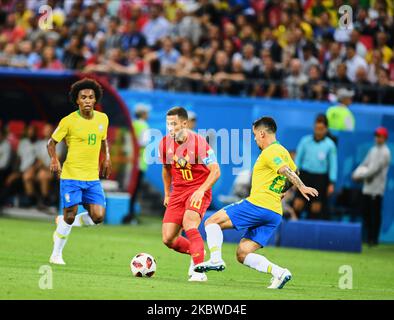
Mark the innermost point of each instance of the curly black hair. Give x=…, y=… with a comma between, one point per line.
x=83, y=84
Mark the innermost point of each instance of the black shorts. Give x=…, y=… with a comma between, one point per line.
x=318, y=181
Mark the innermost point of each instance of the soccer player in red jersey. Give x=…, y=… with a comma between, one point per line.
x=190, y=169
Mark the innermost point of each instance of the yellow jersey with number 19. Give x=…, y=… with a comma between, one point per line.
x=267, y=184
x=83, y=138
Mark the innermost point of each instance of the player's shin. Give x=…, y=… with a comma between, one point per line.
x=60, y=237
x=262, y=264
x=214, y=241
x=196, y=245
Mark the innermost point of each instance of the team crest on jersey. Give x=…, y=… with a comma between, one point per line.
x=182, y=162
x=101, y=128
x=67, y=197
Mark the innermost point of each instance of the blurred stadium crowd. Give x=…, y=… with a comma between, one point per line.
x=265, y=48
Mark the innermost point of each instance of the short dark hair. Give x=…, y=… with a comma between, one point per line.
x=84, y=84
x=267, y=122
x=322, y=118
x=350, y=45
x=178, y=111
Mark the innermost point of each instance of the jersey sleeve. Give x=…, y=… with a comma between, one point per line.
x=105, y=127
x=61, y=130
x=276, y=159
x=205, y=152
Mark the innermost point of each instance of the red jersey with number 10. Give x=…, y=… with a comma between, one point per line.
x=188, y=160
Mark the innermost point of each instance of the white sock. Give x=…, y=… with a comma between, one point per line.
x=215, y=241
x=83, y=220
x=60, y=238
x=262, y=264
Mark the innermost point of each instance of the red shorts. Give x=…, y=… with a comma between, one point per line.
x=180, y=202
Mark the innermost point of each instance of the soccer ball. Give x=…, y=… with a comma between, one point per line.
x=143, y=265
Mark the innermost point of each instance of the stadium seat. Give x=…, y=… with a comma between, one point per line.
x=39, y=126
x=16, y=129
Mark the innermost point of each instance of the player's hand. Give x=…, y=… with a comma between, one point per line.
x=55, y=166
x=197, y=196
x=106, y=168
x=166, y=200
x=308, y=191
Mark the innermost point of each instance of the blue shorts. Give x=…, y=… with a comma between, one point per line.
x=259, y=222
x=74, y=192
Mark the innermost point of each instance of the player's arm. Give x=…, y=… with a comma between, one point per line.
x=106, y=165
x=209, y=159
x=166, y=175
x=57, y=136
x=54, y=165
x=295, y=180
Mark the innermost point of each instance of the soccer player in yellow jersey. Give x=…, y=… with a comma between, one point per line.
x=85, y=133
x=261, y=212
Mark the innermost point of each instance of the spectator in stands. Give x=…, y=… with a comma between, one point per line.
x=131, y=37
x=49, y=60
x=157, y=26
x=168, y=56
x=381, y=45
x=296, y=81
x=334, y=61
x=268, y=41
x=375, y=65
x=5, y=159
x=184, y=64
x=361, y=50
x=113, y=38
x=308, y=59
x=384, y=93
x=315, y=87
x=141, y=129
x=27, y=160
x=372, y=172
x=353, y=62
x=43, y=176
x=339, y=116
x=341, y=79
x=316, y=158
x=271, y=76
x=73, y=58
x=362, y=87
x=250, y=63
x=186, y=26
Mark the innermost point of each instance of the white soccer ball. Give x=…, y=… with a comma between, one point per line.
x=143, y=265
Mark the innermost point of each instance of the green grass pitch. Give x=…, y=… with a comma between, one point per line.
x=98, y=268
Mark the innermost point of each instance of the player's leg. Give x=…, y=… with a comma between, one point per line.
x=93, y=200
x=191, y=221
x=61, y=234
x=213, y=228
x=247, y=256
x=44, y=178
x=171, y=236
x=172, y=225
x=70, y=197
